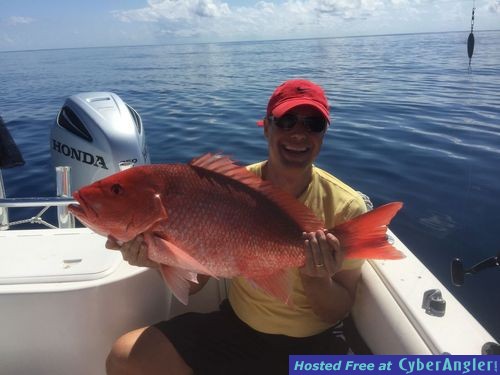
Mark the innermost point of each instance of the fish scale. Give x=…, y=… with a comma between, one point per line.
x=214, y=217
x=207, y=208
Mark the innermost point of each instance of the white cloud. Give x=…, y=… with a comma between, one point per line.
x=192, y=9
x=494, y=6
x=217, y=20
x=158, y=10
x=17, y=20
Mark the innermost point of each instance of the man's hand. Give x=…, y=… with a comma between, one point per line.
x=329, y=289
x=323, y=255
x=135, y=252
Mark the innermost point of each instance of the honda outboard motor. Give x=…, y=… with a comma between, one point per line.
x=94, y=133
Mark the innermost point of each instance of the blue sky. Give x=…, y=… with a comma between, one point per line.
x=35, y=24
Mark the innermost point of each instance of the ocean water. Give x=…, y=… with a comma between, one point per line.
x=409, y=124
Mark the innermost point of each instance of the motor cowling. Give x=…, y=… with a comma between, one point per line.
x=94, y=133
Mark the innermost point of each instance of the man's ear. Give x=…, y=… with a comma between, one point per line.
x=266, y=127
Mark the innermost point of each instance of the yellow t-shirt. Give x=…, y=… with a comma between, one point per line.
x=332, y=201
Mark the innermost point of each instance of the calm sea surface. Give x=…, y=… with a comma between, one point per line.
x=409, y=123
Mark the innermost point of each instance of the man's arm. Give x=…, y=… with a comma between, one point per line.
x=330, y=291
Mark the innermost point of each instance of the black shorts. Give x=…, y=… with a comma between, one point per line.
x=220, y=343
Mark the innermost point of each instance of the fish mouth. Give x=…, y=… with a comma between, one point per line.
x=76, y=210
x=82, y=209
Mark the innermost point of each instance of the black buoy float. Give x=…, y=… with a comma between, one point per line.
x=470, y=39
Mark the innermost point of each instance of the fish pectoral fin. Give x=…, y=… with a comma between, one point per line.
x=177, y=279
x=182, y=257
x=277, y=285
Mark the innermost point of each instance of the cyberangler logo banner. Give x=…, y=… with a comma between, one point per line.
x=394, y=365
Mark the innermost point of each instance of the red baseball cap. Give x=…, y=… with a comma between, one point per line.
x=297, y=92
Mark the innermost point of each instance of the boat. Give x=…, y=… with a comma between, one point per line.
x=64, y=298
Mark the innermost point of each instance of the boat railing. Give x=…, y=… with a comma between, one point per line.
x=64, y=218
x=4, y=215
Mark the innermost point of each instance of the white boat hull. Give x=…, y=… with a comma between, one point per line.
x=389, y=313
x=68, y=327
x=64, y=299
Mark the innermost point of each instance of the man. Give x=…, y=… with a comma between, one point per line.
x=253, y=332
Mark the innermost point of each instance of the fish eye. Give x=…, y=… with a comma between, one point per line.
x=117, y=189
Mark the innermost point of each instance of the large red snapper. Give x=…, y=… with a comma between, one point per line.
x=216, y=218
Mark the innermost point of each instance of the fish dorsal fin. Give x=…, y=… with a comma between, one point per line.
x=223, y=165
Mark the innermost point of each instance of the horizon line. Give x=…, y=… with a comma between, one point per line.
x=244, y=41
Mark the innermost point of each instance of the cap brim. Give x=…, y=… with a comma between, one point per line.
x=283, y=108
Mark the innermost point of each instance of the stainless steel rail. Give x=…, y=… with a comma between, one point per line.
x=63, y=199
x=4, y=213
x=37, y=202
x=64, y=217
x=46, y=203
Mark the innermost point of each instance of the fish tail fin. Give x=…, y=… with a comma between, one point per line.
x=365, y=236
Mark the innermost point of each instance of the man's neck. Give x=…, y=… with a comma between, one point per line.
x=293, y=180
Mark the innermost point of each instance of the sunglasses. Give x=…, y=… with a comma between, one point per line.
x=314, y=124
